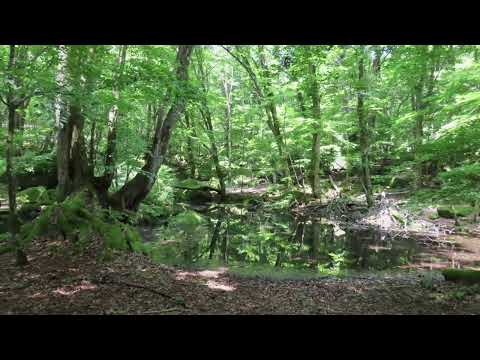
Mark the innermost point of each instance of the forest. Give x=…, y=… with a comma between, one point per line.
x=240, y=179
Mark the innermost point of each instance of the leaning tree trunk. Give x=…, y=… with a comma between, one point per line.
x=364, y=134
x=133, y=192
x=268, y=104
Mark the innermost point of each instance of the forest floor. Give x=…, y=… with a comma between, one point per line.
x=55, y=282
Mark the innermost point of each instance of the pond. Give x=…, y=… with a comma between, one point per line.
x=235, y=236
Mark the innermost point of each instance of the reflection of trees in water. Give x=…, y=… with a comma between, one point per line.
x=280, y=241
x=215, y=236
x=225, y=243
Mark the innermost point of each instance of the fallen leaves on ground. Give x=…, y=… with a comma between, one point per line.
x=132, y=284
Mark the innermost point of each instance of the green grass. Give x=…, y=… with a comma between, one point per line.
x=278, y=273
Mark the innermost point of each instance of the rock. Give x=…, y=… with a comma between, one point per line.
x=430, y=213
x=450, y=212
x=463, y=276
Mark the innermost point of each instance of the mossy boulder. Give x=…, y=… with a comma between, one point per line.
x=199, y=196
x=469, y=277
x=80, y=219
x=450, y=212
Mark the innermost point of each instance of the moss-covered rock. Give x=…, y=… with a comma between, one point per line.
x=449, y=212
x=463, y=276
x=80, y=219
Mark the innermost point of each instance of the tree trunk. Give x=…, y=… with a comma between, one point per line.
x=213, y=149
x=190, y=152
x=112, y=120
x=79, y=172
x=267, y=103
x=13, y=223
x=92, y=148
x=61, y=119
x=316, y=143
x=207, y=119
x=227, y=91
x=215, y=236
x=133, y=192
x=364, y=133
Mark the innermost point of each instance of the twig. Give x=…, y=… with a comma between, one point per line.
x=16, y=288
x=162, y=311
x=111, y=281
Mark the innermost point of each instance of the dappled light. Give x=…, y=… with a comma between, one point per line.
x=71, y=290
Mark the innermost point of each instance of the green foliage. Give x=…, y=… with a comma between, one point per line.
x=38, y=195
x=159, y=202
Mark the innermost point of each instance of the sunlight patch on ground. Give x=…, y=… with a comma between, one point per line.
x=206, y=274
x=70, y=290
x=217, y=286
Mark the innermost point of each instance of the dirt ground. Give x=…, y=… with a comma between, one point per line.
x=57, y=283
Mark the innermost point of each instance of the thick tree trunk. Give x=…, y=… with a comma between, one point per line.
x=61, y=119
x=364, y=134
x=79, y=172
x=133, y=192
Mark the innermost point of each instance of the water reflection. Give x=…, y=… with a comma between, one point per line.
x=278, y=240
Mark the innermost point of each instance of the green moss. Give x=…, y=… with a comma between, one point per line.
x=462, y=276
x=449, y=212
x=80, y=219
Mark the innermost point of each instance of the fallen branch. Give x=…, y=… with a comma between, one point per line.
x=162, y=311
x=138, y=286
x=24, y=286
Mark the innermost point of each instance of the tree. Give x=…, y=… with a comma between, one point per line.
x=363, y=127
x=134, y=191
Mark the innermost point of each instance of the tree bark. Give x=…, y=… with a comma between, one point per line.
x=112, y=120
x=190, y=152
x=207, y=119
x=265, y=94
x=227, y=91
x=316, y=143
x=61, y=120
x=13, y=223
x=364, y=133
